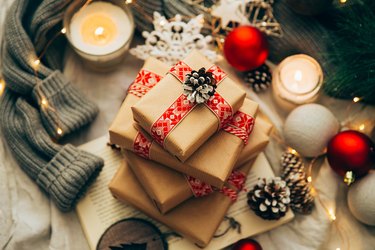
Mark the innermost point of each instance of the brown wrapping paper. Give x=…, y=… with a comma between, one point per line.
x=195, y=219
x=221, y=151
x=199, y=124
x=168, y=188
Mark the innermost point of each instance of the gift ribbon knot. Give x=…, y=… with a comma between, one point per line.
x=182, y=106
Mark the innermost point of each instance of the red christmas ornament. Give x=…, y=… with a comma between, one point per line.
x=245, y=48
x=351, y=154
x=247, y=244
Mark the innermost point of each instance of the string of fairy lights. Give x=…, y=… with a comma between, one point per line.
x=45, y=105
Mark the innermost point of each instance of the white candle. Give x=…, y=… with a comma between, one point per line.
x=297, y=80
x=100, y=31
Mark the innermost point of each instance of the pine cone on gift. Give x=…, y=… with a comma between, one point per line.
x=300, y=193
x=199, y=86
x=270, y=198
x=259, y=79
x=291, y=163
x=294, y=174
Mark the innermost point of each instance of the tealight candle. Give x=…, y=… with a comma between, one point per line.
x=100, y=32
x=297, y=80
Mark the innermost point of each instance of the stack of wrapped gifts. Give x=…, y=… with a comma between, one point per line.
x=189, y=136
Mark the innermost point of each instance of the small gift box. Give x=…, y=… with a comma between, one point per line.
x=193, y=101
x=196, y=219
x=169, y=188
x=221, y=150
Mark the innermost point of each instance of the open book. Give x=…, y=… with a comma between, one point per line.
x=98, y=209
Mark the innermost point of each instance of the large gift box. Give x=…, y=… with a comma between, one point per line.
x=195, y=219
x=176, y=118
x=168, y=188
x=213, y=161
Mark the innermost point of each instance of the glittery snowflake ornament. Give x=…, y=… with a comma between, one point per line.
x=173, y=40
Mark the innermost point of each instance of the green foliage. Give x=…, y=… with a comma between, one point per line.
x=353, y=54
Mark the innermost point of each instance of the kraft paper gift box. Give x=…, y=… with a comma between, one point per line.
x=180, y=126
x=169, y=188
x=195, y=219
x=221, y=150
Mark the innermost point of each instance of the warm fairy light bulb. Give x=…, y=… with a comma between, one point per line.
x=361, y=127
x=36, y=62
x=292, y=151
x=332, y=214
x=343, y=1
x=44, y=102
x=59, y=131
x=2, y=86
x=63, y=30
x=309, y=179
x=356, y=99
x=128, y=1
x=338, y=248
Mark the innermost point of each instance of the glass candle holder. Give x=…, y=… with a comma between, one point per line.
x=296, y=80
x=100, y=32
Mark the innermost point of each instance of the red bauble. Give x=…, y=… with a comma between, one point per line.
x=351, y=151
x=247, y=244
x=245, y=48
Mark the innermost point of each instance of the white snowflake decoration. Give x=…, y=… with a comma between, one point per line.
x=172, y=41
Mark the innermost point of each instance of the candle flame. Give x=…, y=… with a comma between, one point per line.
x=99, y=31
x=298, y=75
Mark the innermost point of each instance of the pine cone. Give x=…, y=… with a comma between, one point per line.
x=291, y=163
x=259, y=79
x=300, y=193
x=300, y=189
x=270, y=198
x=199, y=86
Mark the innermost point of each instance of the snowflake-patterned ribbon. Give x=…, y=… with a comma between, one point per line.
x=241, y=126
x=144, y=81
x=182, y=106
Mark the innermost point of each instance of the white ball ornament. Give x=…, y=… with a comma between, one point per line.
x=361, y=199
x=308, y=129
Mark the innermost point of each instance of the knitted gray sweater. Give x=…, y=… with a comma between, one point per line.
x=63, y=172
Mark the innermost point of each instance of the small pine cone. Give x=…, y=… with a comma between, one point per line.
x=291, y=163
x=199, y=86
x=270, y=198
x=300, y=193
x=260, y=78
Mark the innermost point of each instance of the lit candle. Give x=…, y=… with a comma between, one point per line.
x=100, y=32
x=297, y=80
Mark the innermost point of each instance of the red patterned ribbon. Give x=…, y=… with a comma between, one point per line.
x=141, y=146
x=144, y=81
x=199, y=188
x=241, y=126
x=181, y=107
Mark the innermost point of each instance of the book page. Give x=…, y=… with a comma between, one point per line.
x=98, y=209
